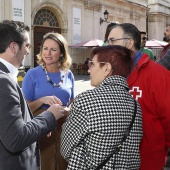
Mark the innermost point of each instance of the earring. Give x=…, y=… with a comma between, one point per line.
x=61, y=58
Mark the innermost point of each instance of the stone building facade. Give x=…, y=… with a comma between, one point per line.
x=79, y=20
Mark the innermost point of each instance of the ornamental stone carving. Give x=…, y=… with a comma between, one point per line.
x=156, y=17
x=92, y=5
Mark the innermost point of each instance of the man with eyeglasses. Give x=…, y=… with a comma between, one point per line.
x=145, y=49
x=144, y=82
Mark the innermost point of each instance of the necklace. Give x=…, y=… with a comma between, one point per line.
x=62, y=75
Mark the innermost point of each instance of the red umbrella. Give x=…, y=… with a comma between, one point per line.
x=90, y=43
x=155, y=43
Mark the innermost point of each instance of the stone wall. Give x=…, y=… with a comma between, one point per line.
x=133, y=11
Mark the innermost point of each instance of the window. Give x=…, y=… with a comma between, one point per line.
x=46, y=17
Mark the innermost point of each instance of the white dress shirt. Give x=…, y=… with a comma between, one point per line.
x=12, y=69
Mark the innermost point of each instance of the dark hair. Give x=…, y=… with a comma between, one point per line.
x=108, y=29
x=131, y=31
x=142, y=32
x=12, y=31
x=118, y=56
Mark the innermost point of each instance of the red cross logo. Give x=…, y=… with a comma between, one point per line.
x=136, y=93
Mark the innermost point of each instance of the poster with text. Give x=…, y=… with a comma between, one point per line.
x=76, y=25
x=18, y=10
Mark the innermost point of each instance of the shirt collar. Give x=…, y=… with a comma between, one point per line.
x=137, y=57
x=12, y=69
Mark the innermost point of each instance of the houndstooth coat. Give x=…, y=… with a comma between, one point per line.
x=97, y=122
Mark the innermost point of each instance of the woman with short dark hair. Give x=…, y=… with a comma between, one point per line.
x=99, y=118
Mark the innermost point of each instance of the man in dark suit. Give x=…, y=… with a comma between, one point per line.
x=19, y=130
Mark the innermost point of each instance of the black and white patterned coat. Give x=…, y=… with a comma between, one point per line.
x=97, y=122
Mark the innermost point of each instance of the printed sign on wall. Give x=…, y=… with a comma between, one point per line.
x=76, y=25
x=18, y=10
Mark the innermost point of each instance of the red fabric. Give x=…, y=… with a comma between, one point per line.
x=150, y=84
x=165, y=50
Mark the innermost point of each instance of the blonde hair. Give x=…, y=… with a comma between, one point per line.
x=65, y=63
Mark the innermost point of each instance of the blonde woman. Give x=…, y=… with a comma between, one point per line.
x=49, y=83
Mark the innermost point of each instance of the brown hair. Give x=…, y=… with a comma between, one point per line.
x=142, y=32
x=119, y=57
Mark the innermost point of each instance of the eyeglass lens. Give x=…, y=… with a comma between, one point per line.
x=144, y=38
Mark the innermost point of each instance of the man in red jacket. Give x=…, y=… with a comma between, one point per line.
x=144, y=82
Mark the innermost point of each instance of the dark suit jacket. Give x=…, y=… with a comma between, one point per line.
x=18, y=130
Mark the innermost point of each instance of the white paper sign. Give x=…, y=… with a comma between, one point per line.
x=76, y=25
x=18, y=10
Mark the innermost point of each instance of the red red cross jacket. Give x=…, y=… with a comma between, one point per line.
x=150, y=85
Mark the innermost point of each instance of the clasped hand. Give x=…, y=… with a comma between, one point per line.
x=50, y=100
x=58, y=112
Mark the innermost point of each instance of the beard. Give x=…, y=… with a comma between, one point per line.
x=165, y=39
x=143, y=44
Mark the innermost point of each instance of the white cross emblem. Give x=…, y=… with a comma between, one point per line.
x=136, y=93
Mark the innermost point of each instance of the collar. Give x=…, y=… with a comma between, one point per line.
x=165, y=50
x=137, y=57
x=115, y=80
x=167, y=46
x=135, y=72
x=12, y=69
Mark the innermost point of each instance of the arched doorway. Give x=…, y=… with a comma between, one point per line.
x=45, y=21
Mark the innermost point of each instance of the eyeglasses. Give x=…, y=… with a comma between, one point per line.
x=144, y=38
x=91, y=63
x=111, y=41
x=28, y=46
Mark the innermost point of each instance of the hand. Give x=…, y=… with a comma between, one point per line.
x=66, y=111
x=49, y=134
x=57, y=111
x=50, y=100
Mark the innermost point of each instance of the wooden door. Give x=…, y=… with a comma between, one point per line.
x=39, y=32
